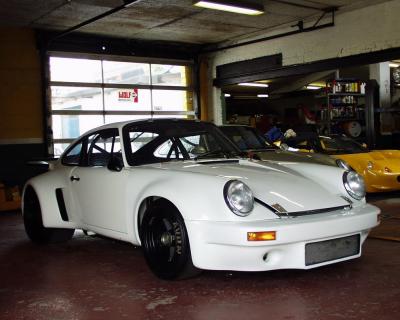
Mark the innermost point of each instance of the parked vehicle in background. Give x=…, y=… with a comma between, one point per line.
x=249, y=140
x=379, y=168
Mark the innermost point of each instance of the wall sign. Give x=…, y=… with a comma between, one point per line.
x=130, y=95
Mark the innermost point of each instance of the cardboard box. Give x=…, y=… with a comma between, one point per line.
x=10, y=198
x=2, y=193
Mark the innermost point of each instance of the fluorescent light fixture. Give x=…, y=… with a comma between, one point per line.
x=227, y=95
x=313, y=87
x=264, y=95
x=237, y=6
x=394, y=65
x=254, y=84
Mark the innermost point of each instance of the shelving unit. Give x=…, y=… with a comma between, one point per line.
x=343, y=106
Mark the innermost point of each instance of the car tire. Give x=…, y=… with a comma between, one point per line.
x=34, y=225
x=165, y=242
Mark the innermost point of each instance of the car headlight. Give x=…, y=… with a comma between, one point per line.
x=343, y=164
x=370, y=165
x=354, y=184
x=239, y=197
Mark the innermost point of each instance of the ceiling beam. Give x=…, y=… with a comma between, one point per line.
x=126, y=3
x=298, y=5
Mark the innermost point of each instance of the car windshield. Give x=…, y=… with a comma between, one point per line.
x=246, y=138
x=340, y=145
x=171, y=140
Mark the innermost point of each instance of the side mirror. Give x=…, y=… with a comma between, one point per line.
x=115, y=164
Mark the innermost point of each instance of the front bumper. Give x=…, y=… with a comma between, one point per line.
x=224, y=245
x=381, y=181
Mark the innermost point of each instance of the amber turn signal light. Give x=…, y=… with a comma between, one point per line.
x=261, y=236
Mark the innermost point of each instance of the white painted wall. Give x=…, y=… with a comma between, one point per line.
x=370, y=29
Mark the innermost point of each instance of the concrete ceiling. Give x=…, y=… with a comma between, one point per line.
x=168, y=20
x=285, y=85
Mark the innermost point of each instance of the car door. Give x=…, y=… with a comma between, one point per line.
x=100, y=193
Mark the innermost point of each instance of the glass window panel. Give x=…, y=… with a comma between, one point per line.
x=200, y=144
x=59, y=148
x=190, y=143
x=72, y=126
x=111, y=118
x=169, y=116
x=168, y=148
x=172, y=100
x=126, y=72
x=168, y=75
x=139, y=139
x=73, y=156
x=100, y=149
x=76, y=98
x=75, y=70
x=129, y=99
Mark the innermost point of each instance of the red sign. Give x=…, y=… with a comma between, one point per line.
x=128, y=95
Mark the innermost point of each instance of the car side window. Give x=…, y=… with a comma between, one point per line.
x=73, y=156
x=102, y=146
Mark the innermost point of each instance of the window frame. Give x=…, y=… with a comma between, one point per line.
x=114, y=132
x=70, y=148
x=84, y=153
x=190, y=88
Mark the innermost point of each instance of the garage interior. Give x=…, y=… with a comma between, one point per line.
x=197, y=58
x=302, y=99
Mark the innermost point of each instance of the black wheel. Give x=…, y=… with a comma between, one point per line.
x=165, y=242
x=34, y=226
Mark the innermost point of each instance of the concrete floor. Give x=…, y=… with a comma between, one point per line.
x=95, y=278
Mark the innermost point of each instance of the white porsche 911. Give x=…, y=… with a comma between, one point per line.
x=180, y=189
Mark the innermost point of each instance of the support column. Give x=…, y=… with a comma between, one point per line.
x=204, y=89
x=381, y=73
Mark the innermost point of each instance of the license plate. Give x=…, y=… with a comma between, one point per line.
x=334, y=249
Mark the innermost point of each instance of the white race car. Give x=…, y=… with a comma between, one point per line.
x=180, y=190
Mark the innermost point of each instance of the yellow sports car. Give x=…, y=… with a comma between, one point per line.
x=380, y=168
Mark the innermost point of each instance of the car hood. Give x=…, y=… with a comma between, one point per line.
x=281, y=156
x=380, y=160
x=271, y=183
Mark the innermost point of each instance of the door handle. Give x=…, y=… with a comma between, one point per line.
x=73, y=178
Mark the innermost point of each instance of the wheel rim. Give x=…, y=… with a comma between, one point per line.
x=163, y=242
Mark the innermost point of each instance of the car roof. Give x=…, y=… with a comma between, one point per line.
x=121, y=124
